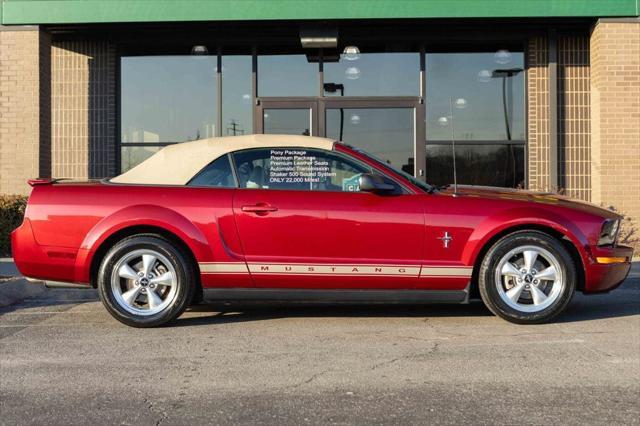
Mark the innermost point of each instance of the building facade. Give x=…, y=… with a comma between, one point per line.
x=543, y=95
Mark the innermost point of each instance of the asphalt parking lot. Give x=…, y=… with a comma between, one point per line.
x=63, y=360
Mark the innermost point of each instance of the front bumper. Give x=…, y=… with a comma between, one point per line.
x=608, y=268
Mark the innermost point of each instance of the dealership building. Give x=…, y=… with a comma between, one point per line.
x=537, y=94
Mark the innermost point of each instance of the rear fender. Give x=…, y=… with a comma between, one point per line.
x=140, y=215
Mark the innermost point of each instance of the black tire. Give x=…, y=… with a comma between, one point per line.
x=184, y=280
x=489, y=287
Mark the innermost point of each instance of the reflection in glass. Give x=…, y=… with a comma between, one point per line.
x=287, y=75
x=375, y=74
x=237, y=107
x=387, y=133
x=167, y=98
x=351, y=53
x=502, y=56
x=131, y=156
x=491, y=94
x=477, y=164
x=287, y=121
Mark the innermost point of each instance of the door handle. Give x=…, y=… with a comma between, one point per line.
x=259, y=208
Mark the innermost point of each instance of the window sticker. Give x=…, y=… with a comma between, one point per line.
x=351, y=184
x=291, y=166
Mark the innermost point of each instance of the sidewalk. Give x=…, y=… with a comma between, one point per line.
x=8, y=268
x=13, y=287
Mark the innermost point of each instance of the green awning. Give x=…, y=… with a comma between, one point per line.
x=25, y=12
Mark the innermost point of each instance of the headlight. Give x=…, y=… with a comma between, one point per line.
x=609, y=232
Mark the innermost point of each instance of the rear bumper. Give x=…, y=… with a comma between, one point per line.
x=42, y=263
x=608, y=268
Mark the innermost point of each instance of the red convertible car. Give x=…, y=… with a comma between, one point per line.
x=272, y=217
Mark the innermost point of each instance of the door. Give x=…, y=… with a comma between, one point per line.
x=383, y=127
x=386, y=131
x=288, y=117
x=304, y=224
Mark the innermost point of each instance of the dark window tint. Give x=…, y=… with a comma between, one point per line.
x=299, y=169
x=477, y=164
x=218, y=173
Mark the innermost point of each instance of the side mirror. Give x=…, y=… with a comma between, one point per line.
x=370, y=182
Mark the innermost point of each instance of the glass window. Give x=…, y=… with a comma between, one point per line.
x=131, y=156
x=218, y=174
x=487, y=93
x=477, y=164
x=373, y=74
x=287, y=75
x=167, y=98
x=237, y=100
x=476, y=98
x=387, y=133
x=299, y=169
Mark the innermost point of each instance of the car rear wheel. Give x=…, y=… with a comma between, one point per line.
x=527, y=277
x=145, y=281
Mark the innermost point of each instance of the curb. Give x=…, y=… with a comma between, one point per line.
x=17, y=289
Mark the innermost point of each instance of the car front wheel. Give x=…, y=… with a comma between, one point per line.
x=145, y=281
x=527, y=277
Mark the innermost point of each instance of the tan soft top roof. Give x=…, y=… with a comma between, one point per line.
x=177, y=164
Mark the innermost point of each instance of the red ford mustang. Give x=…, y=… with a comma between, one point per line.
x=300, y=218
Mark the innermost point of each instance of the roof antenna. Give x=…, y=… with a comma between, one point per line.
x=453, y=149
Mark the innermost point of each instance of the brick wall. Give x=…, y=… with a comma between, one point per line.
x=615, y=116
x=24, y=107
x=83, y=109
x=574, y=120
x=538, y=114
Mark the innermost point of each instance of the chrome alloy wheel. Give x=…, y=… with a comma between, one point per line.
x=144, y=282
x=529, y=279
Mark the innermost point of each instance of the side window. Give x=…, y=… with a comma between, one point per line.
x=300, y=169
x=217, y=174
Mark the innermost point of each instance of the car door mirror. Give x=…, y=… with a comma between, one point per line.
x=370, y=182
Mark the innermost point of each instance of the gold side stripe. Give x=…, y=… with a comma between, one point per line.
x=436, y=271
x=223, y=268
x=336, y=270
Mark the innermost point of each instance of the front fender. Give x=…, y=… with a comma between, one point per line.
x=519, y=218
x=139, y=215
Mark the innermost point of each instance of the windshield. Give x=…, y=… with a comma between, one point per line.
x=422, y=185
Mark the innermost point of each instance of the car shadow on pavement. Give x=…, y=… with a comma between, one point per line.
x=594, y=307
x=261, y=311
x=582, y=308
x=53, y=298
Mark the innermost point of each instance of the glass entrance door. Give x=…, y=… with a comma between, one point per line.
x=385, y=128
x=387, y=133
x=287, y=117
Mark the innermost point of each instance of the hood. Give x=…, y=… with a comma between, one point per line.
x=547, y=198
